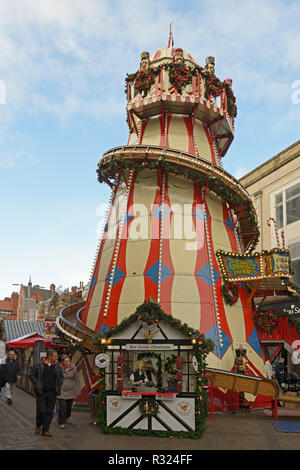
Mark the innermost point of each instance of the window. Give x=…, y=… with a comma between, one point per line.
x=287, y=206
x=295, y=257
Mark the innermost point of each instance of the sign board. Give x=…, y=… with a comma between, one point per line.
x=102, y=360
x=280, y=263
x=242, y=267
x=150, y=347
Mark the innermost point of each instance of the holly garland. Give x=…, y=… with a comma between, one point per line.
x=152, y=310
x=231, y=101
x=213, y=86
x=230, y=293
x=180, y=75
x=267, y=321
x=293, y=289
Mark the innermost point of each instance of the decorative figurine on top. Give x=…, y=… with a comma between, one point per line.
x=145, y=61
x=178, y=56
x=210, y=65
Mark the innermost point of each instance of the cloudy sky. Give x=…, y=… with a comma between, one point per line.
x=62, y=70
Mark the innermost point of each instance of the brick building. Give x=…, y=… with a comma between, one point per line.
x=9, y=307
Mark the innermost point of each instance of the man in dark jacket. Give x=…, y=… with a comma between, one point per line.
x=13, y=373
x=47, y=378
x=3, y=378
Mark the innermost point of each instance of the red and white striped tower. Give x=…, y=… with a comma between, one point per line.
x=147, y=250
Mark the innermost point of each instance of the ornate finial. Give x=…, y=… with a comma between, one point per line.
x=171, y=41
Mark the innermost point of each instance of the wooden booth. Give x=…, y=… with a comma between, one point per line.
x=152, y=368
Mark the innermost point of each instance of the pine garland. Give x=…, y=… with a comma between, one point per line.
x=180, y=75
x=267, y=321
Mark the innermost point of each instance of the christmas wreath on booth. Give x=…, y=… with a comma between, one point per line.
x=267, y=321
x=145, y=79
x=230, y=293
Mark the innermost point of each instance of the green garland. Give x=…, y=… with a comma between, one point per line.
x=213, y=86
x=152, y=310
x=180, y=75
x=267, y=321
x=295, y=288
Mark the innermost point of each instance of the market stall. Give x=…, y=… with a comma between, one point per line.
x=152, y=370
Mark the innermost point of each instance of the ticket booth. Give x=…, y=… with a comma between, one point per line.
x=153, y=372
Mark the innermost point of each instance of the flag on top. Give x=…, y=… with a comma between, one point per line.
x=171, y=42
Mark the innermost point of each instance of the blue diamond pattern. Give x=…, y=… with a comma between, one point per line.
x=213, y=335
x=117, y=277
x=157, y=212
x=254, y=342
x=128, y=217
x=216, y=276
x=103, y=328
x=229, y=223
x=199, y=213
x=93, y=282
x=152, y=272
x=205, y=275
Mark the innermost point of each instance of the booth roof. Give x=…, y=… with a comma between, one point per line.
x=29, y=342
x=16, y=328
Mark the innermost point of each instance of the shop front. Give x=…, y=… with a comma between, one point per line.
x=152, y=370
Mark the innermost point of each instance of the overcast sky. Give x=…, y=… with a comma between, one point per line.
x=63, y=65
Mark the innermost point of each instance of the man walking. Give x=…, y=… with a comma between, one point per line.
x=13, y=373
x=47, y=378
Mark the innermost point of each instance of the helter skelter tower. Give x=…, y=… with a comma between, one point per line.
x=166, y=183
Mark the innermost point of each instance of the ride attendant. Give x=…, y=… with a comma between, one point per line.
x=69, y=391
x=47, y=378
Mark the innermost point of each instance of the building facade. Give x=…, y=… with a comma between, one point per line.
x=275, y=189
x=9, y=307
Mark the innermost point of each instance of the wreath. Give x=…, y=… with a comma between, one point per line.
x=266, y=322
x=144, y=80
x=180, y=76
x=148, y=406
x=230, y=293
x=213, y=86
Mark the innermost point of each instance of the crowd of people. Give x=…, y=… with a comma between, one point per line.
x=56, y=383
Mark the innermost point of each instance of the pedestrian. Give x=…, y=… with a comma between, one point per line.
x=69, y=391
x=3, y=378
x=47, y=378
x=13, y=373
x=280, y=371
